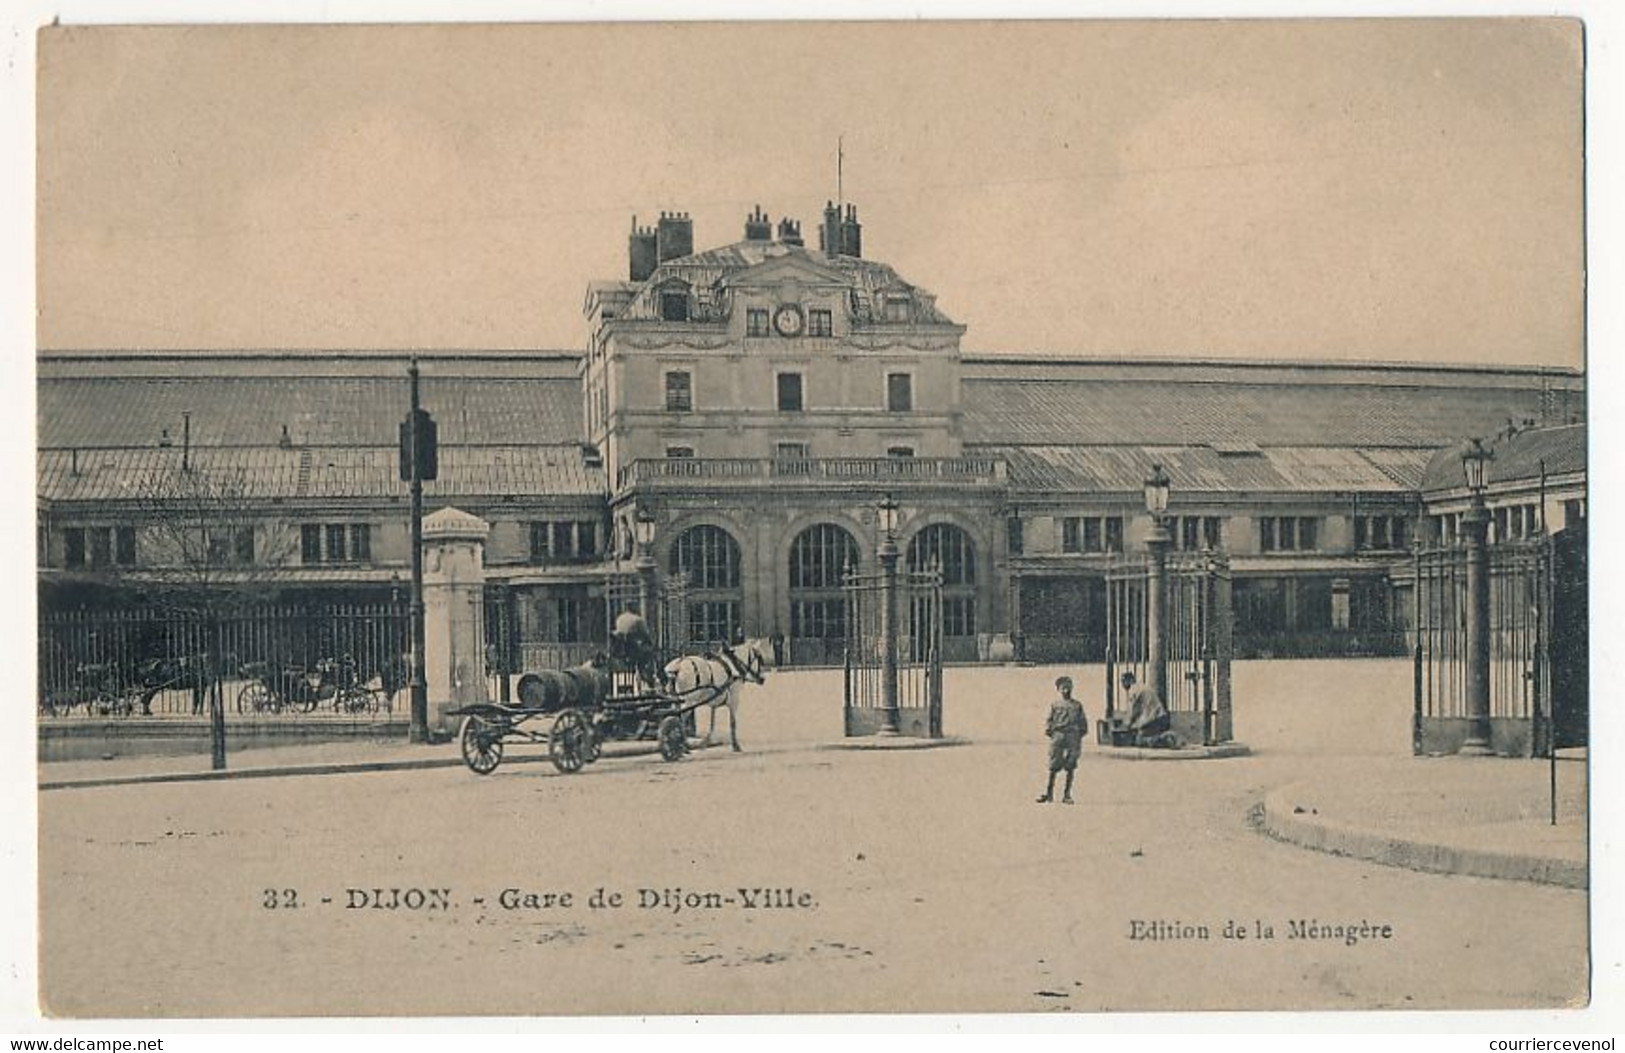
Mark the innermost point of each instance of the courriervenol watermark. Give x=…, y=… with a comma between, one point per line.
x=1555, y=1044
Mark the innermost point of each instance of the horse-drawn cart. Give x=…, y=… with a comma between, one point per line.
x=586, y=710
x=584, y=715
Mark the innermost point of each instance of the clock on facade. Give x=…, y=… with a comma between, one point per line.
x=788, y=320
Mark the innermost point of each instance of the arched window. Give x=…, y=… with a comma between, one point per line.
x=707, y=558
x=819, y=559
x=948, y=547
x=945, y=547
x=820, y=556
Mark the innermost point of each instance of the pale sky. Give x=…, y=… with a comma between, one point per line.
x=1353, y=190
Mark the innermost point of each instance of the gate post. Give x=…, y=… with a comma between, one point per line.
x=1476, y=523
x=888, y=635
x=454, y=608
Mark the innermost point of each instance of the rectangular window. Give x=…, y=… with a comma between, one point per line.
x=899, y=393
x=896, y=309
x=1013, y=536
x=1094, y=535
x=563, y=546
x=310, y=543
x=73, y=547
x=567, y=619
x=674, y=306
x=1308, y=535
x=538, y=543
x=101, y=546
x=899, y=451
x=360, y=543
x=125, y=546
x=1189, y=528
x=1114, y=533
x=792, y=451
x=1070, y=533
x=1379, y=533
x=789, y=392
x=1288, y=534
x=337, y=549
x=1213, y=532
x=677, y=453
x=587, y=539
x=756, y=322
x=819, y=322
x=679, y=391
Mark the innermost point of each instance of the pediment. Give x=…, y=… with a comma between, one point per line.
x=792, y=267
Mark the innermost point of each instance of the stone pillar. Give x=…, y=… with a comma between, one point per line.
x=453, y=613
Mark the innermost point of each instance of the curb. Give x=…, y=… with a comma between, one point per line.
x=332, y=768
x=1218, y=751
x=1285, y=821
x=893, y=742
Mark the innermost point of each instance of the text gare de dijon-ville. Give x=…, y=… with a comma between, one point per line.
x=668, y=900
x=1257, y=930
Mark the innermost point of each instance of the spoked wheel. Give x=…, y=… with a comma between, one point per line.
x=255, y=697
x=673, y=738
x=571, y=743
x=482, y=745
x=352, y=700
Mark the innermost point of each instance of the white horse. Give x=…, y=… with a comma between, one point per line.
x=713, y=680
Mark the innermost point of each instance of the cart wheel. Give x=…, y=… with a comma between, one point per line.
x=482, y=745
x=673, y=738
x=352, y=700
x=571, y=742
x=253, y=698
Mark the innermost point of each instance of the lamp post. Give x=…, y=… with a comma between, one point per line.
x=1157, y=486
x=417, y=680
x=886, y=513
x=644, y=533
x=1475, y=524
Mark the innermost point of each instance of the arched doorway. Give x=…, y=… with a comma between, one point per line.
x=948, y=548
x=819, y=558
x=708, y=559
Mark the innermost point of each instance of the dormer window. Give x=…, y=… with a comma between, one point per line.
x=897, y=309
x=674, y=306
x=756, y=321
x=820, y=322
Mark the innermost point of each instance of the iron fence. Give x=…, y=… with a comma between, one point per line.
x=270, y=659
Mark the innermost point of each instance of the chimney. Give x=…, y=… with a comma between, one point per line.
x=675, y=236
x=829, y=235
x=852, y=234
x=789, y=231
x=642, y=252
x=758, y=227
x=286, y=441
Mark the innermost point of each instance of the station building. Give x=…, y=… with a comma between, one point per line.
x=759, y=399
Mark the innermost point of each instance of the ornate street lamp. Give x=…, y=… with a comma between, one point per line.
x=886, y=513
x=1475, y=525
x=1157, y=490
x=643, y=530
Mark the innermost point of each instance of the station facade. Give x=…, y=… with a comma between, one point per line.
x=759, y=400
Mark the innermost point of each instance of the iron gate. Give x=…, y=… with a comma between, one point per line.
x=1200, y=630
x=917, y=647
x=1520, y=602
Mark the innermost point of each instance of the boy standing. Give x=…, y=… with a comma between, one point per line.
x=1066, y=727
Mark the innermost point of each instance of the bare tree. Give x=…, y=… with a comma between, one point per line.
x=210, y=552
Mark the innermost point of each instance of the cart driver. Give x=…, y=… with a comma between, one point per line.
x=632, y=646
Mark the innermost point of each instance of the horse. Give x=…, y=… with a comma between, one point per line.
x=713, y=680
